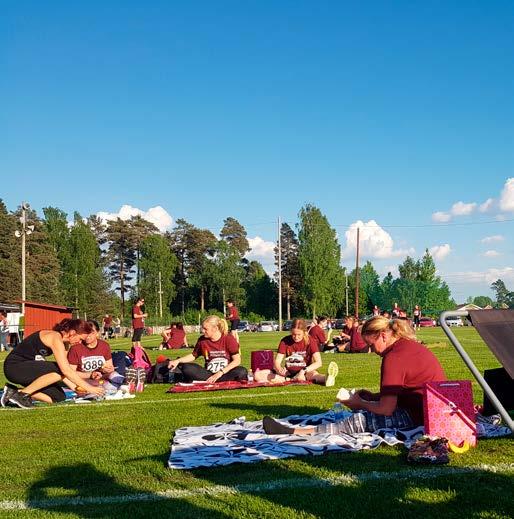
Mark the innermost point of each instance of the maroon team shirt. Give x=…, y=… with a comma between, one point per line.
x=357, y=343
x=177, y=338
x=297, y=350
x=318, y=333
x=217, y=354
x=406, y=367
x=139, y=321
x=89, y=359
x=107, y=321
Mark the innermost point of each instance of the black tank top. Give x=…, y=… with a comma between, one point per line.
x=31, y=348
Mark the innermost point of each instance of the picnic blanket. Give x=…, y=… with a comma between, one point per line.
x=239, y=441
x=183, y=387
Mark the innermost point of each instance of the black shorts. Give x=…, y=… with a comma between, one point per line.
x=138, y=333
x=234, y=324
x=23, y=372
x=416, y=319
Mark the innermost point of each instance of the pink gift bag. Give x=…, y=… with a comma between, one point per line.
x=262, y=359
x=449, y=412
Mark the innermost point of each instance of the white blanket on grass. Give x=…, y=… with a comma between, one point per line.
x=240, y=441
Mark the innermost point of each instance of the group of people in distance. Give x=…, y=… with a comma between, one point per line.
x=298, y=357
x=82, y=360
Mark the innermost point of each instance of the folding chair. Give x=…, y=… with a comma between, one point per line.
x=496, y=327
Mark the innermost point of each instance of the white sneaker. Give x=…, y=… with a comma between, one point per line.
x=333, y=370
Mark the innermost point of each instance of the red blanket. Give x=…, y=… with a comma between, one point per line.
x=231, y=384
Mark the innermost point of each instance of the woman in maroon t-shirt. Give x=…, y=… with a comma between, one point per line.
x=406, y=366
x=220, y=351
x=301, y=357
x=174, y=337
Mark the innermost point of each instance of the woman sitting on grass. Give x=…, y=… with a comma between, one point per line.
x=301, y=357
x=406, y=366
x=42, y=380
x=174, y=337
x=220, y=351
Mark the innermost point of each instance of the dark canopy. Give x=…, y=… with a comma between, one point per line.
x=496, y=327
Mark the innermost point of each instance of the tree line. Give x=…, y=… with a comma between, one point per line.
x=100, y=266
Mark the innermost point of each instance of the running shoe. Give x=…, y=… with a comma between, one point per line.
x=332, y=371
x=6, y=395
x=22, y=400
x=141, y=378
x=131, y=378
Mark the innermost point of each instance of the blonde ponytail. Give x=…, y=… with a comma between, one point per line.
x=220, y=323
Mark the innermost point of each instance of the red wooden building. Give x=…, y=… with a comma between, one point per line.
x=43, y=316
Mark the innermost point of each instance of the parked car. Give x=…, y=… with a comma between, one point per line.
x=454, y=320
x=339, y=324
x=266, y=326
x=244, y=326
x=426, y=322
x=286, y=325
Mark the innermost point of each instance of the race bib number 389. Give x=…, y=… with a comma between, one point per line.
x=217, y=364
x=92, y=363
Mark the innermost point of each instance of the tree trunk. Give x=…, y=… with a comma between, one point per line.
x=288, y=296
x=122, y=288
x=202, y=299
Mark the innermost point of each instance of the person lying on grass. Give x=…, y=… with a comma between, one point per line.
x=301, y=357
x=42, y=380
x=406, y=366
x=220, y=351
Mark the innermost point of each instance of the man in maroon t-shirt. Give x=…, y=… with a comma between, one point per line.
x=138, y=321
x=220, y=351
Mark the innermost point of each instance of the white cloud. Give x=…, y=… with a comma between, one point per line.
x=374, y=242
x=507, y=196
x=489, y=276
x=492, y=239
x=486, y=206
x=462, y=209
x=156, y=215
x=441, y=216
x=491, y=253
x=261, y=248
x=439, y=252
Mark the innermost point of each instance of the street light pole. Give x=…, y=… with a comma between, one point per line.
x=25, y=231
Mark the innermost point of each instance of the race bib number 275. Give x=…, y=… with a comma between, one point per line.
x=217, y=364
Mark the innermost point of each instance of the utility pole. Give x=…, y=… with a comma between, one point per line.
x=279, y=278
x=160, y=294
x=357, y=276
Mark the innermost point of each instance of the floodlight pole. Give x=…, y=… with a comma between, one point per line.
x=279, y=277
x=346, y=292
x=357, y=276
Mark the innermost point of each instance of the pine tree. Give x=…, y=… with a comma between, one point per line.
x=121, y=256
x=290, y=267
x=157, y=258
x=235, y=234
x=319, y=259
x=10, y=256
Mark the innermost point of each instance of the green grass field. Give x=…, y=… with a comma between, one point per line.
x=109, y=459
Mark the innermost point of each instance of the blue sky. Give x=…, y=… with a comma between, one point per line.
x=379, y=111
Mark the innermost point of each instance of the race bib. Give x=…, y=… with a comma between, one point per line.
x=92, y=363
x=217, y=364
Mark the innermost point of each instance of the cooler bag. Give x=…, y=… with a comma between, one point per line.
x=262, y=359
x=448, y=411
